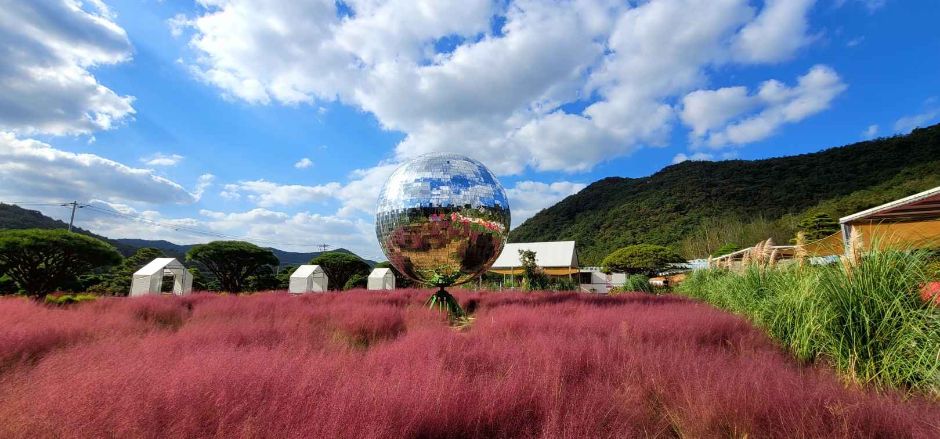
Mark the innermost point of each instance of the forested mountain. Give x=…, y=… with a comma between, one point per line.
x=15, y=217
x=673, y=204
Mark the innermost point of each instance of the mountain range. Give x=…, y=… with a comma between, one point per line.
x=674, y=204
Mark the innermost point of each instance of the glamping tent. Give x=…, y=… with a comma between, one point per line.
x=149, y=279
x=911, y=222
x=557, y=258
x=308, y=278
x=382, y=279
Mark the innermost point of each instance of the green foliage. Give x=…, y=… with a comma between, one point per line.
x=283, y=276
x=339, y=267
x=68, y=299
x=357, y=280
x=117, y=281
x=263, y=279
x=708, y=238
x=817, y=226
x=646, y=259
x=867, y=319
x=232, y=262
x=727, y=248
x=7, y=285
x=533, y=278
x=670, y=205
x=40, y=261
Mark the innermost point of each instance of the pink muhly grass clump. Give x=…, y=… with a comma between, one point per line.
x=366, y=364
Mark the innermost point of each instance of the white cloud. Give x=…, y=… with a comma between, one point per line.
x=203, y=183
x=266, y=193
x=303, y=163
x=706, y=110
x=48, y=48
x=870, y=132
x=496, y=96
x=362, y=193
x=907, y=124
x=699, y=156
x=36, y=171
x=300, y=231
x=161, y=159
x=777, y=104
x=777, y=32
x=527, y=198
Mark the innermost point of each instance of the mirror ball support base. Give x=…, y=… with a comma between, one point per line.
x=444, y=301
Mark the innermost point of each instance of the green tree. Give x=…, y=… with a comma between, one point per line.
x=39, y=260
x=817, y=226
x=729, y=247
x=232, y=262
x=264, y=279
x=117, y=281
x=339, y=267
x=646, y=259
x=532, y=276
x=283, y=276
x=357, y=280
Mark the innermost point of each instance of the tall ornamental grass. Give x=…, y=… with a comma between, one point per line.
x=867, y=318
x=381, y=365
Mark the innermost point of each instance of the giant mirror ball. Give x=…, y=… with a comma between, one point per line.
x=442, y=219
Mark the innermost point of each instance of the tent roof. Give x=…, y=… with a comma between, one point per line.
x=306, y=271
x=157, y=266
x=547, y=254
x=917, y=207
x=380, y=272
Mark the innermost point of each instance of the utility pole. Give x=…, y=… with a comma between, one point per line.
x=323, y=247
x=74, y=205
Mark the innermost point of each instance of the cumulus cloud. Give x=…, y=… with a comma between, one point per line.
x=161, y=159
x=777, y=104
x=907, y=124
x=870, y=132
x=527, y=198
x=303, y=163
x=37, y=171
x=699, y=156
x=267, y=194
x=48, y=48
x=777, y=32
x=557, y=86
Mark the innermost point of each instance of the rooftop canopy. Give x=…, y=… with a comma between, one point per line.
x=554, y=257
x=924, y=206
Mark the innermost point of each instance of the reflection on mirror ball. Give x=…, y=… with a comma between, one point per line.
x=442, y=219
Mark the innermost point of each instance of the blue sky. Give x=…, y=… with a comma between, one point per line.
x=278, y=121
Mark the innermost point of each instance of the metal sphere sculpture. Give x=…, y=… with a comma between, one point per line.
x=442, y=220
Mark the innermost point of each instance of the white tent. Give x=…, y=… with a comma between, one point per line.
x=556, y=258
x=149, y=279
x=382, y=279
x=307, y=278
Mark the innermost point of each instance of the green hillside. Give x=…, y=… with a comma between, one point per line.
x=674, y=203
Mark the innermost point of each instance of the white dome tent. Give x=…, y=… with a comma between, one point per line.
x=149, y=279
x=308, y=278
x=381, y=279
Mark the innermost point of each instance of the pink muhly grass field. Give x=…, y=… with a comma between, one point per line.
x=362, y=364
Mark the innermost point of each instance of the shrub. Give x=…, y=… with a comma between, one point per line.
x=67, y=299
x=357, y=280
x=866, y=318
x=645, y=259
